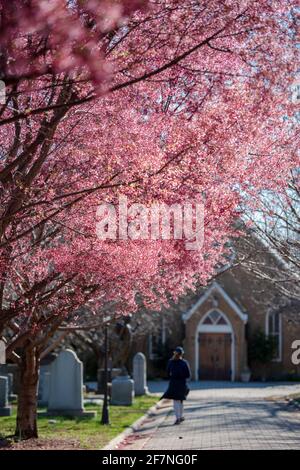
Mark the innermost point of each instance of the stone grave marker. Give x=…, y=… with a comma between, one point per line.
x=5, y=408
x=66, y=386
x=140, y=374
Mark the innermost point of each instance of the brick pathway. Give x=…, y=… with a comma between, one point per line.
x=223, y=416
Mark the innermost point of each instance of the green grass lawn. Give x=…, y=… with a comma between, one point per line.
x=88, y=433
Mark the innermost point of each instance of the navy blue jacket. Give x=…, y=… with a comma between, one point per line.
x=178, y=371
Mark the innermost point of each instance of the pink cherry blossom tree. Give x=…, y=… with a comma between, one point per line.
x=178, y=101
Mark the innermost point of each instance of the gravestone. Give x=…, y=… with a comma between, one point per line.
x=43, y=390
x=13, y=369
x=2, y=352
x=11, y=396
x=122, y=390
x=139, y=374
x=66, y=386
x=112, y=373
x=44, y=379
x=10, y=377
x=5, y=409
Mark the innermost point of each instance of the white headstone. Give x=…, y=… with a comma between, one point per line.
x=44, y=385
x=10, y=377
x=2, y=352
x=66, y=386
x=140, y=374
x=5, y=409
x=122, y=390
x=11, y=395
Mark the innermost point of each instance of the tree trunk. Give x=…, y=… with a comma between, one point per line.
x=26, y=426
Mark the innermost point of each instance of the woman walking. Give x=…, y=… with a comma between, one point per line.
x=178, y=371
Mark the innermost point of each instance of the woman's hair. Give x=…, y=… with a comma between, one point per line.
x=176, y=355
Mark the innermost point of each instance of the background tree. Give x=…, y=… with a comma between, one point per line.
x=276, y=223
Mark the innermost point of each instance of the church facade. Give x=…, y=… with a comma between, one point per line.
x=215, y=336
x=217, y=325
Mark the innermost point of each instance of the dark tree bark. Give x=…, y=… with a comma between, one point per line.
x=26, y=426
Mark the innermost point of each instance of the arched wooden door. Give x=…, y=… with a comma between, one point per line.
x=214, y=356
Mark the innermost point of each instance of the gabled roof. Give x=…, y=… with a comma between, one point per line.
x=215, y=287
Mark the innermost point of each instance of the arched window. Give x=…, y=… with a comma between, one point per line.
x=215, y=318
x=274, y=329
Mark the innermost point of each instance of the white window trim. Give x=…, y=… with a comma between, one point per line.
x=279, y=358
x=215, y=287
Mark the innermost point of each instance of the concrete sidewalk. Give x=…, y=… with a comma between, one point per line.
x=222, y=416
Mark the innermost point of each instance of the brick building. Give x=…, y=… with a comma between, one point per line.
x=216, y=324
